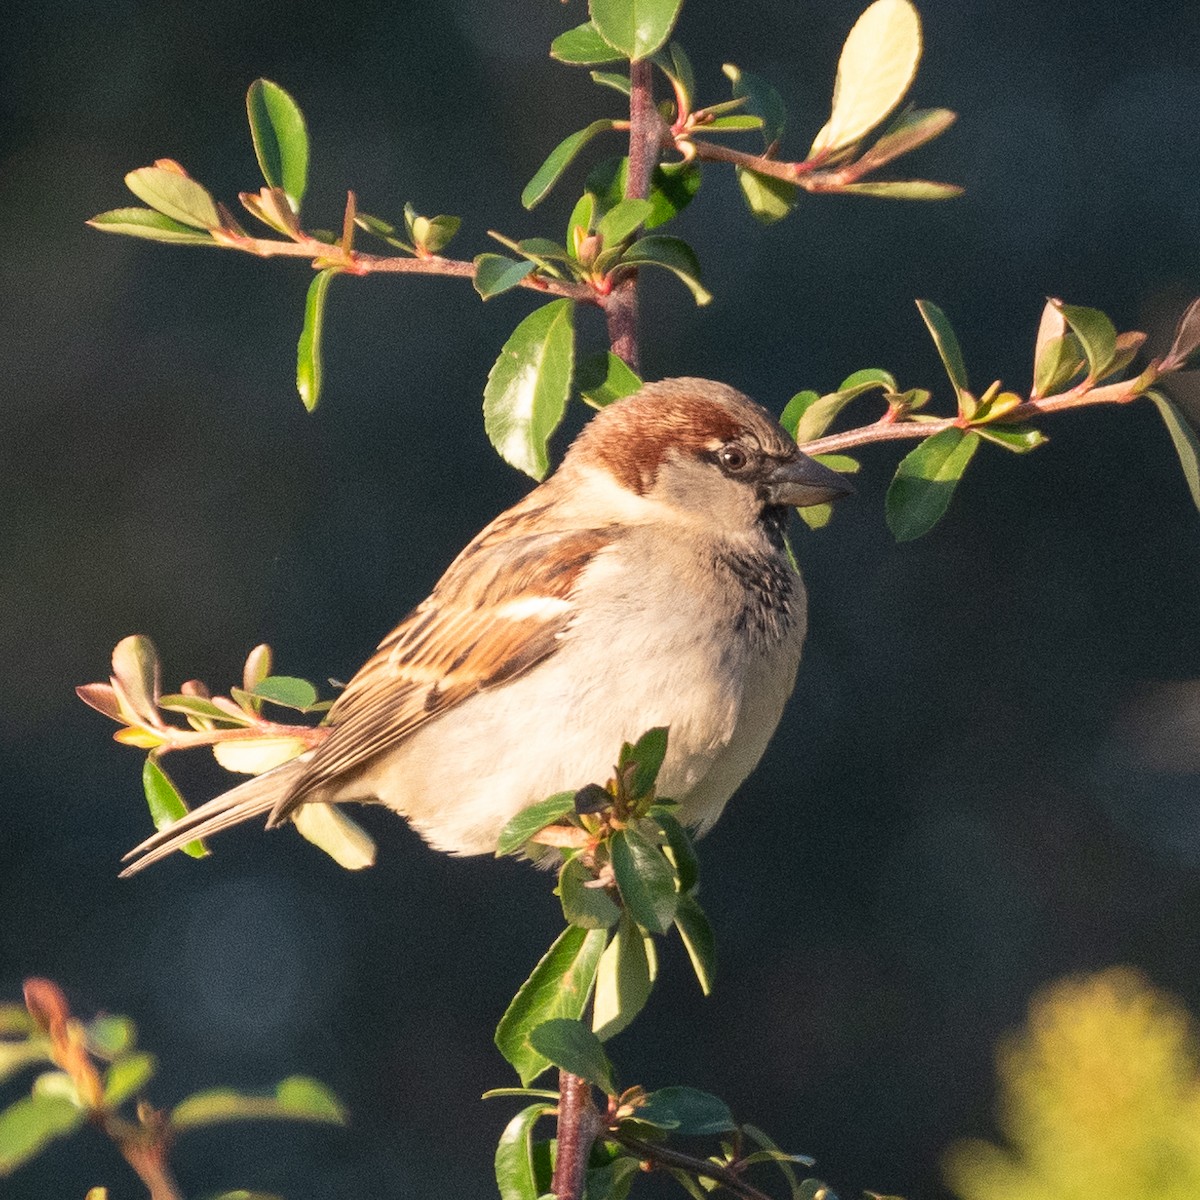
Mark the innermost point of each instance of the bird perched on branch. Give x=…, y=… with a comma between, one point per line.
x=647, y=582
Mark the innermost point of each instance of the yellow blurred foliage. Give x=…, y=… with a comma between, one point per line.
x=1099, y=1098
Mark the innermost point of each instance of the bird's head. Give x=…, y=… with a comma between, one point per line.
x=704, y=450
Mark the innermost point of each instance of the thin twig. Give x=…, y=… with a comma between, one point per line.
x=660, y=1156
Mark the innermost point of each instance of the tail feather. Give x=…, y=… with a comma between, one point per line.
x=249, y=799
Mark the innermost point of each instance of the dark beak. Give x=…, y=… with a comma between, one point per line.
x=802, y=481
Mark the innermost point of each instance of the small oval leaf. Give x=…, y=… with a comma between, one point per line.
x=177, y=196
x=309, y=364
x=925, y=481
x=280, y=138
x=635, y=27
x=559, y=159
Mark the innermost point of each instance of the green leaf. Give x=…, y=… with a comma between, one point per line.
x=675, y=255
x=795, y=408
x=280, y=138
x=296, y=1099
x=698, y=940
x=516, y=1174
x=610, y=79
x=672, y=187
x=686, y=1110
x=111, y=1035
x=738, y=123
x=136, y=673
x=613, y=1180
x=496, y=273
x=946, y=341
x=807, y=415
x=434, y=234
x=635, y=27
x=687, y=866
x=645, y=879
x=572, y=1046
x=902, y=189
x=623, y=981
x=287, y=691
x=1058, y=353
x=768, y=199
x=1096, y=335
x=605, y=377
x=1184, y=438
x=177, y=196
x=908, y=131
x=559, y=160
x=1185, y=348
x=308, y=349
x=587, y=907
x=127, y=1076
x=782, y=1161
x=677, y=67
x=523, y=1092
x=533, y=820
x=761, y=99
x=27, y=1125
x=877, y=66
x=166, y=804
x=647, y=753
x=528, y=387
x=331, y=829
x=925, y=480
x=558, y=987
x=151, y=225
x=622, y=220
x=1020, y=439
x=583, y=47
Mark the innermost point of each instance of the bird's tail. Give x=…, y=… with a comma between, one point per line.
x=249, y=799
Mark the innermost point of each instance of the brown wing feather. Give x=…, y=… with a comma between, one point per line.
x=456, y=643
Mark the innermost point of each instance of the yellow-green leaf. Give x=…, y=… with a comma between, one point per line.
x=309, y=363
x=340, y=836
x=177, y=196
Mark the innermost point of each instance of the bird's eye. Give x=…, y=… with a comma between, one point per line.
x=733, y=457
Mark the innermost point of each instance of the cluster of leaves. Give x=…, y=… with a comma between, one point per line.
x=609, y=234
x=628, y=874
x=1079, y=359
x=241, y=738
x=97, y=1073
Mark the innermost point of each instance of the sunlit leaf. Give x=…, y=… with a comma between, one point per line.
x=532, y=820
x=674, y=63
x=610, y=79
x=308, y=350
x=128, y=1076
x=908, y=131
x=136, y=676
x=583, y=47
x=328, y=828
x=946, y=341
x=769, y=199
x=902, y=189
x=151, y=225
x=433, y=234
x=672, y=187
x=528, y=387
x=645, y=879
x=177, y=196
x=807, y=416
x=280, y=138
x=687, y=1111
x=636, y=27
x=583, y=905
x=30, y=1123
x=925, y=481
x=605, y=377
x=287, y=691
x=698, y=940
x=295, y=1099
x=558, y=987
x=1020, y=439
x=255, y=756
x=559, y=160
x=516, y=1174
x=622, y=982
x=647, y=753
x=166, y=804
x=1183, y=436
x=875, y=70
x=1096, y=333
x=673, y=254
x=572, y=1046
x=623, y=219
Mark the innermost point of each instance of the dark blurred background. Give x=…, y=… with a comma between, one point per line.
x=978, y=786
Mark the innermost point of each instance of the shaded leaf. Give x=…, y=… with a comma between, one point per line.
x=686, y=1110
x=784, y=1161
x=622, y=220
x=613, y=1180
x=528, y=387
x=496, y=273
x=177, y=196
x=622, y=982
x=102, y=698
x=280, y=138
x=610, y=79
x=433, y=234
x=296, y=1099
x=516, y=1174
x=1096, y=335
x=1185, y=441
x=647, y=753
x=605, y=377
x=675, y=255
x=533, y=820
x=572, y=1046
x=1018, y=438
x=559, y=986
x=677, y=67
x=287, y=691
x=587, y=907
x=559, y=159
x=583, y=46
x=687, y=866
x=761, y=99
x=698, y=940
x=166, y=804
x=946, y=341
x=110, y=1035
x=1185, y=349
x=909, y=130
x=768, y=199
x=30, y=1123
x=672, y=187
x=635, y=27
x=328, y=828
x=876, y=68
x=308, y=349
x=645, y=879
x=149, y=224
x=925, y=481
x=127, y=1076
x=903, y=189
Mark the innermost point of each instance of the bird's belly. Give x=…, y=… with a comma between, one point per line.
x=463, y=776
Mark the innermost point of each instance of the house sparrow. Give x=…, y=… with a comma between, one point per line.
x=646, y=583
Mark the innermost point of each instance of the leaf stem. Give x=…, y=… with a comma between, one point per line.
x=660, y=1156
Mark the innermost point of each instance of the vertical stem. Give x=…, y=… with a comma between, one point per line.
x=645, y=137
x=578, y=1125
